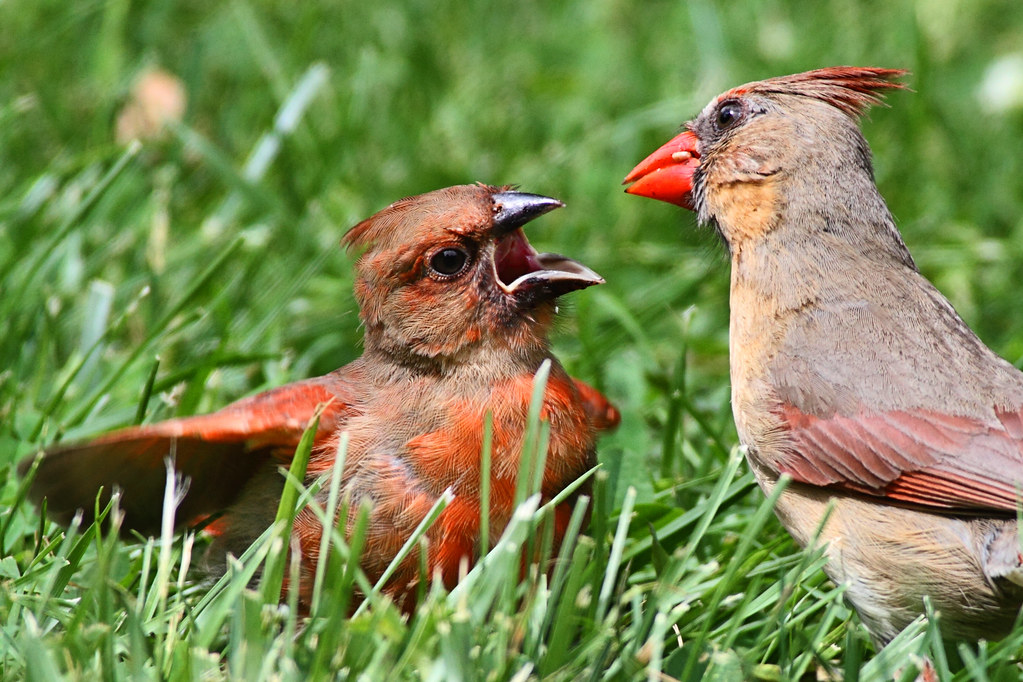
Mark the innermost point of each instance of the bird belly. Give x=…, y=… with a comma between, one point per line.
x=889, y=558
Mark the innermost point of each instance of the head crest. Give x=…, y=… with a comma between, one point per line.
x=853, y=89
x=362, y=234
x=393, y=223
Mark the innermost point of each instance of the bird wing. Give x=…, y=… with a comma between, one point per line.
x=917, y=456
x=602, y=414
x=217, y=452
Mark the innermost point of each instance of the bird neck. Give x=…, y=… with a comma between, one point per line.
x=833, y=239
x=831, y=203
x=489, y=335
x=492, y=360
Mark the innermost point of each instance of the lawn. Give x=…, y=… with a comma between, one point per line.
x=139, y=282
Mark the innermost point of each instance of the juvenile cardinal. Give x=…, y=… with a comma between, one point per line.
x=457, y=306
x=850, y=372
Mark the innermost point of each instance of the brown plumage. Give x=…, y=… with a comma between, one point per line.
x=850, y=372
x=457, y=307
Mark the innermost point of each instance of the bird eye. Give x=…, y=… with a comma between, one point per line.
x=449, y=261
x=729, y=113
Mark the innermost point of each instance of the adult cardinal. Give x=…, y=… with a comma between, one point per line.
x=850, y=372
x=457, y=306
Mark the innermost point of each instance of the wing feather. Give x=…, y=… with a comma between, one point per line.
x=217, y=453
x=917, y=456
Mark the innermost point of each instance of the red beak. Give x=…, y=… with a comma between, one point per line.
x=667, y=174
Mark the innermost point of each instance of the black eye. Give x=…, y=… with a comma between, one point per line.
x=729, y=113
x=449, y=261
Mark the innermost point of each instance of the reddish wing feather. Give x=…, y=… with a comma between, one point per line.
x=275, y=417
x=602, y=414
x=922, y=457
x=218, y=452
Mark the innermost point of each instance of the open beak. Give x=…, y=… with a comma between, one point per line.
x=667, y=174
x=517, y=265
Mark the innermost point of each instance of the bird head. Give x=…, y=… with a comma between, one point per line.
x=758, y=149
x=451, y=271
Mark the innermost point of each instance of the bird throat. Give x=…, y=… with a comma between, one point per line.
x=744, y=210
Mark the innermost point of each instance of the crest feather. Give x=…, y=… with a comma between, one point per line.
x=853, y=89
x=395, y=221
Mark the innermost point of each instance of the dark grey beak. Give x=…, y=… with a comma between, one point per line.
x=515, y=209
x=519, y=269
x=560, y=275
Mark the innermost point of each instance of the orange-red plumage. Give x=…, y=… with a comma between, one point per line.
x=457, y=308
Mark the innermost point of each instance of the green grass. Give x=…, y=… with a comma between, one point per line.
x=141, y=283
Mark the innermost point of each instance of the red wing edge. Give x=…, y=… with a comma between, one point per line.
x=921, y=457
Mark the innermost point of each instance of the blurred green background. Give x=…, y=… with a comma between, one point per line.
x=216, y=269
